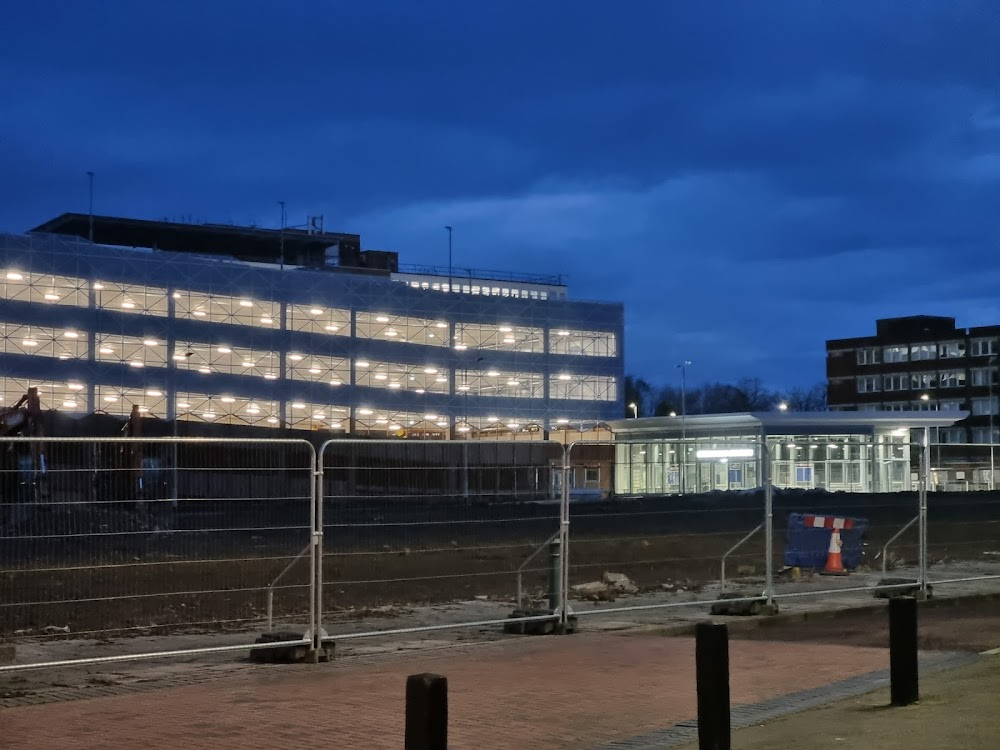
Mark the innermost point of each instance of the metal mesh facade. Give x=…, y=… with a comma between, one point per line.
x=99, y=329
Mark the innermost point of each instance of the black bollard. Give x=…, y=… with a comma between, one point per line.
x=712, y=677
x=903, y=671
x=426, y=712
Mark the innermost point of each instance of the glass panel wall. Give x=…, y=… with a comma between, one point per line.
x=332, y=321
x=401, y=328
x=500, y=337
x=500, y=383
x=131, y=298
x=583, y=387
x=849, y=463
x=224, y=308
x=48, y=289
x=232, y=360
x=586, y=343
x=61, y=343
x=131, y=350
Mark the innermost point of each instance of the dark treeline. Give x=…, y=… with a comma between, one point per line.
x=747, y=394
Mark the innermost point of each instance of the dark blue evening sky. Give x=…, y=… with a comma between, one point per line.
x=750, y=178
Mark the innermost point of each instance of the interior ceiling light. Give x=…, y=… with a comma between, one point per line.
x=316, y=311
x=381, y=319
x=14, y=276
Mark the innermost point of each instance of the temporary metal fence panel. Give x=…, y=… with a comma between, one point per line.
x=963, y=533
x=162, y=537
x=645, y=551
x=426, y=535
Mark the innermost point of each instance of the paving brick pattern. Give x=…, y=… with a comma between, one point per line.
x=582, y=691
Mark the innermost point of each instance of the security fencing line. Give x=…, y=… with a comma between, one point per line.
x=391, y=524
x=114, y=536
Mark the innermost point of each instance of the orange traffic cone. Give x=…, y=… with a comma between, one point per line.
x=834, y=560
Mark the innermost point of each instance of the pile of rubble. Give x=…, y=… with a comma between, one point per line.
x=607, y=589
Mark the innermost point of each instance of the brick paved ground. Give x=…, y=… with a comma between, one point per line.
x=579, y=691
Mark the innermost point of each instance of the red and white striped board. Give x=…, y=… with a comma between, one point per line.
x=828, y=522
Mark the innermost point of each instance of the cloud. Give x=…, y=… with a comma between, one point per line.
x=750, y=178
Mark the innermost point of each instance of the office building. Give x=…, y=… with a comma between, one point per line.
x=920, y=363
x=298, y=329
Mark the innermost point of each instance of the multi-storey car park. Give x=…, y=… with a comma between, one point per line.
x=296, y=329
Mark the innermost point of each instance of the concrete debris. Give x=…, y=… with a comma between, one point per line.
x=596, y=591
x=620, y=583
x=52, y=629
x=482, y=598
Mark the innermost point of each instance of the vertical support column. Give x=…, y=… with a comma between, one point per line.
x=283, y=378
x=316, y=512
x=171, y=390
x=91, y=346
x=352, y=423
x=564, y=611
x=768, y=523
x=712, y=681
x=925, y=479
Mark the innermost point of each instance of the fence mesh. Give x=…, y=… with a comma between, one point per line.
x=407, y=524
x=131, y=536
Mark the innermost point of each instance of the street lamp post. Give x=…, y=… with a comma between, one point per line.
x=683, y=368
x=635, y=410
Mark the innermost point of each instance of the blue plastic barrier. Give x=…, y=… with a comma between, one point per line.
x=807, y=546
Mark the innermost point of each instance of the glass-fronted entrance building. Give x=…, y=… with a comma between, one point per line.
x=836, y=451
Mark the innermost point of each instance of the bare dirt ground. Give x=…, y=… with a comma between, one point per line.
x=957, y=709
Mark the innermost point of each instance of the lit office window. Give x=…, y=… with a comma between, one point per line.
x=318, y=369
x=134, y=351
x=302, y=415
x=40, y=341
x=333, y=321
x=225, y=308
x=585, y=343
x=47, y=289
x=583, y=387
x=223, y=408
x=502, y=337
x=387, y=327
x=417, y=378
x=223, y=358
x=387, y=423
x=504, y=384
x=131, y=298
x=66, y=396
x=152, y=400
